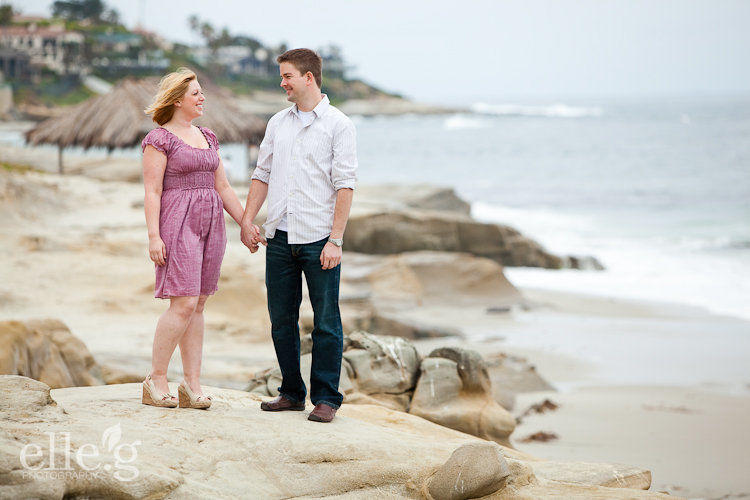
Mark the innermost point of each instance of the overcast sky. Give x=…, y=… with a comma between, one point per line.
x=492, y=50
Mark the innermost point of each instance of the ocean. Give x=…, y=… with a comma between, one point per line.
x=657, y=190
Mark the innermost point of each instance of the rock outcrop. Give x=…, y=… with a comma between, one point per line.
x=47, y=351
x=472, y=471
x=398, y=282
x=511, y=375
x=118, y=448
x=382, y=364
x=454, y=390
x=398, y=232
x=450, y=387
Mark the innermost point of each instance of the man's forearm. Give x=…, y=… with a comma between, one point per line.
x=341, y=212
x=255, y=198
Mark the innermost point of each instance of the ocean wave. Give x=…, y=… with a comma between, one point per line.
x=462, y=122
x=541, y=219
x=558, y=110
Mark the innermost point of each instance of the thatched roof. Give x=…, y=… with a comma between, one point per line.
x=116, y=119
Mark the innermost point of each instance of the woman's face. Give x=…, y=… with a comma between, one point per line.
x=191, y=103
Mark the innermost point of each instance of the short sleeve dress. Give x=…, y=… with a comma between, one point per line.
x=191, y=221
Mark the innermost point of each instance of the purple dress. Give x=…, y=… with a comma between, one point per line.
x=191, y=221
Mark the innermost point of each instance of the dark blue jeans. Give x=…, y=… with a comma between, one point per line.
x=285, y=264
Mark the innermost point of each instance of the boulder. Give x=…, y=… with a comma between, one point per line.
x=47, y=351
x=399, y=231
x=235, y=450
x=612, y=475
x=382, y=364
x=400, y=282
x=400, y=197
x=393, y=326
x=454, y=390
x=472, y=471
x=470, y=365
x=511, y=375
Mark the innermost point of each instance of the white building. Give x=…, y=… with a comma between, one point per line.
x=51, y=47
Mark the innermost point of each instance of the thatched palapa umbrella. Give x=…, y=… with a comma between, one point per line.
x=116, y=119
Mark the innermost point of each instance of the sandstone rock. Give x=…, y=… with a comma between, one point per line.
x=472, y=471
x=259, y=383
x=511, y=375
x=398, y=232
x=391, y=325
x=235, y=450
x=382, y=364
x=455, y=277
x=398, y=402
x=441, y=199
x=305, y=344
x=112, y=375
x=46, y=350
x=457, y=393
x=400, y=197
x=612, y=475
x=585, y=262
x=471, y=366
x=22, y=396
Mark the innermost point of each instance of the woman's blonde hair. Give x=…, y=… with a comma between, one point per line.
x=171, y=89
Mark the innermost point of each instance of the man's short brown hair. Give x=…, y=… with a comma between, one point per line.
x=304, y=60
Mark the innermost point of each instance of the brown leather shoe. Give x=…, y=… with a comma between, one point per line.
x=281, y=403
x=322, y=413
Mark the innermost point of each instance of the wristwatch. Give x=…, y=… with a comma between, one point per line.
x=337, y=241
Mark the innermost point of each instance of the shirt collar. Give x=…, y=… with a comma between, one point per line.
x=319, y=110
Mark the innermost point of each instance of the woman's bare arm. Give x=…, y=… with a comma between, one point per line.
x=231, y=203
x=154, y=165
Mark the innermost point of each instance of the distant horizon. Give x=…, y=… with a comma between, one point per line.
x=575, y=51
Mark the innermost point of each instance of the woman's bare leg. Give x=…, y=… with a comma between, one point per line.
x=191, y=348
x=171, y=326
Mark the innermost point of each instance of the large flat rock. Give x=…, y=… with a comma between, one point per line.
x=234, y=450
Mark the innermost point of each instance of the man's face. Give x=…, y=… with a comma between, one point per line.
x=295, y=84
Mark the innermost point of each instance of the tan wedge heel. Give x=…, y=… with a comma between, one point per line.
x=190, y=400
x=151, y=396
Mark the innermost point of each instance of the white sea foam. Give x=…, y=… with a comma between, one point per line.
x=558, y=110
x=691, y=271
x=462, y=121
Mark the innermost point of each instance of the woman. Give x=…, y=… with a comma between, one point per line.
x=186, y=191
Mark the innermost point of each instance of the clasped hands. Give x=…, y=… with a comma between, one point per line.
x=251, y=238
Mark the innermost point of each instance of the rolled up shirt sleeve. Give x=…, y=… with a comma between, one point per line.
x=344, y=168
x=262, y=170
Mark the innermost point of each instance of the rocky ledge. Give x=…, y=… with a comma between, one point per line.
x=100, y=441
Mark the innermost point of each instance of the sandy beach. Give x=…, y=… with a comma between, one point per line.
x=661, y=386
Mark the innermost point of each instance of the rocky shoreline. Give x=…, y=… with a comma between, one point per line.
x=408, y=429
x=235, y=450
x=73, y=249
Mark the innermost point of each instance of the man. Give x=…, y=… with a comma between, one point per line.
x=307, y=166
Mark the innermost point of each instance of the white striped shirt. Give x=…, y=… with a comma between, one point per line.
x=304, y=166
